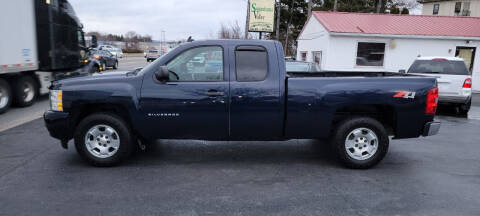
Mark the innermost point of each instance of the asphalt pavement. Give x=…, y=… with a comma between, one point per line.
x=438, y=175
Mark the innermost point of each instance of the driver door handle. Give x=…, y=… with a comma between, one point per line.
x=214, y=93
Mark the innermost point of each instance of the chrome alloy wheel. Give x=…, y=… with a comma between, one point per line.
x=102, y=141
x=361, y=143
x=3, y=97
x=28, y=92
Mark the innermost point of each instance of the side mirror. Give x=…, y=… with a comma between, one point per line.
x=402, y=71
x=94, y=41
x=162, y=74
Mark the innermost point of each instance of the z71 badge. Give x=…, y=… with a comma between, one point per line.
x=404, y=94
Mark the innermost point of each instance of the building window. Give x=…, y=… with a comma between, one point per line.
x=317, y=57
x=466, y=9
x=370, y=54
x=436, y=8
x=303, y=56
x=458, y=8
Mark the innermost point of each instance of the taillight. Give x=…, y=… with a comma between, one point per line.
x=432, y=101
x=467, y=83
x=97, y=57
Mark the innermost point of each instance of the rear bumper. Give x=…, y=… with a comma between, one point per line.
x=431, y=128
x=58, y=124
x=453, y=99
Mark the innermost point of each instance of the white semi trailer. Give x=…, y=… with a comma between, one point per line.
x=39, y=40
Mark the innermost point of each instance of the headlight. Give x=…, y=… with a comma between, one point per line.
x=56, y=100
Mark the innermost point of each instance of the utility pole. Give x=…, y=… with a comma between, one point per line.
x=248, y=19
x=335, y=5
x=379, y=6
x=279, y=8
x=310, y=8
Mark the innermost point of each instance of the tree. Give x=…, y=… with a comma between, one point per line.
x=232, y=31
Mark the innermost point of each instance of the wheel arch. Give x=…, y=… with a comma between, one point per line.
x=385, y=114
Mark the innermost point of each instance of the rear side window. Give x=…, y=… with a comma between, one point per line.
x=251, y=63
x=439, y=66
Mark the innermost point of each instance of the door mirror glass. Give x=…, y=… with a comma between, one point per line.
x=162, y=74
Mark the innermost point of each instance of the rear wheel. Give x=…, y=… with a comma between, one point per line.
x=25, y=91
x=464, y=108
x=5, y=96
x=103, y=139
x=360, y=142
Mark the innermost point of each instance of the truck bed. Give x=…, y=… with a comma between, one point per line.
x=346, y=74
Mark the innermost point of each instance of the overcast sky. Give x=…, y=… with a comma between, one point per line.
x=178, y=18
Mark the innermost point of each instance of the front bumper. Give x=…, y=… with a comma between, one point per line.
x=431, y=128
x=58, y=124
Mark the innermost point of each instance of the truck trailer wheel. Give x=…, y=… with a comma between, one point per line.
x=25, y=91
x=103, y=139
x=5, y=96
x=361, y=142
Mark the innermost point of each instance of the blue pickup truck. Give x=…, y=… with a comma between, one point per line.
x=248, y=95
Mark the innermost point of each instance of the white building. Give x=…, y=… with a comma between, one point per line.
x=384, y=42
x=451, y=7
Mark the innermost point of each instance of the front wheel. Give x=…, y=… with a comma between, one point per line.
x=115, y=65
x=103, y=139
x=360, y=143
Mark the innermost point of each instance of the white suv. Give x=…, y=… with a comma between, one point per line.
x=453, y=77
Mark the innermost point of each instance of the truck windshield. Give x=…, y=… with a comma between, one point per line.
x=439, y=67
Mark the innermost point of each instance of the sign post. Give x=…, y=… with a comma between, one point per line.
x=261, y=16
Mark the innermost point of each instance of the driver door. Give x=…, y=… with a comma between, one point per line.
x=194, y=102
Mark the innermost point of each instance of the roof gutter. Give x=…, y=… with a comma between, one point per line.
x=405, y=36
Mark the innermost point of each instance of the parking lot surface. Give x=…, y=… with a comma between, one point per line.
x=438, y=175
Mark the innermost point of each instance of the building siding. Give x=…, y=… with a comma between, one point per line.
x=447, y=8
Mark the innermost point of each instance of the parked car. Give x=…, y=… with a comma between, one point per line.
x=152, y=55
x=250, y=97
x=104, y=59
x=453, y=77
x=299, y=66
x=117, y=52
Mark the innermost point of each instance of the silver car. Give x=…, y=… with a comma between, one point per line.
x=453, y=77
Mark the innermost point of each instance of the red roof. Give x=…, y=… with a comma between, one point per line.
x=428, y=25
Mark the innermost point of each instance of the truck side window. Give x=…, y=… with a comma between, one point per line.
x=251, y=63
x=198, y=64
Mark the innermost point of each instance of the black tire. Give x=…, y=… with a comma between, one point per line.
x=344, y=128
x=6, y=94
x=464, y=108
x=95, y=69
x=104, y=67
x=115, y=65
x=25, y=91
x=126, y=147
